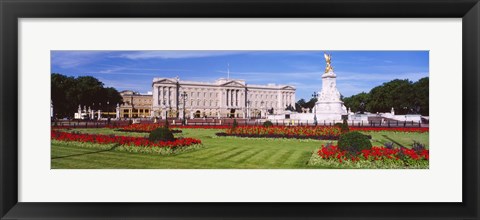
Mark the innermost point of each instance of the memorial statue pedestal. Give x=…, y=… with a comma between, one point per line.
x=329, y=106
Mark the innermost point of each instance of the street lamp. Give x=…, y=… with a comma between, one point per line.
x=108, y=109
x=315, y=95
x=184, y=96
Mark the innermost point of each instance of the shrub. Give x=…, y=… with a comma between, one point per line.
x=417, y=146
x=354, y=142
x=166, y=122
x=267, y=124
x=343, y=126
x=388, y=145
x=161, y=134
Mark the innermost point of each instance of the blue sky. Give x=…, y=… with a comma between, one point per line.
x=357, y=71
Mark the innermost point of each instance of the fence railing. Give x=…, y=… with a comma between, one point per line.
x=229, y=122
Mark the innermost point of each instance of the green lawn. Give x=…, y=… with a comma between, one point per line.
x=218, y=152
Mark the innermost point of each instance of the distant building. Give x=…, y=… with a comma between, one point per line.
x=135, y=105
x=222, y=98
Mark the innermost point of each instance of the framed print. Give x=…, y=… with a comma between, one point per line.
x=268, y=109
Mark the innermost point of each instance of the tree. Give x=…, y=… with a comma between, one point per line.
x=311, y=103
x=396, y=93
x=353, y=102
x=300, y=104
x=69, y=92
x=403, y=95
x=421, y=88
x=62, y=96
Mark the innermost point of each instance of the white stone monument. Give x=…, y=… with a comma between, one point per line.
x=117, y=111
x=329, y=106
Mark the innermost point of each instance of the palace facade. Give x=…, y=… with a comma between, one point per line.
x=135, y=105
x=219, y=99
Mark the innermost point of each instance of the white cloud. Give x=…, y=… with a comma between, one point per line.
x=69, y=59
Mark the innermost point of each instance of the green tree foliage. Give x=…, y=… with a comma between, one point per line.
x=421, y=95
x=69, y=92
x=353, y=102
x=299, y=104
x=403, y=95
x=303, y=104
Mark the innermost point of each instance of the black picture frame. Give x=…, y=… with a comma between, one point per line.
x=12, y=10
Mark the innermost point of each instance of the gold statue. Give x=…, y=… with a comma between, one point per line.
x=328, y=59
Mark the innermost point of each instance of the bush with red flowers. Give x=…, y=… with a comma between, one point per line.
x=127, y=143
x=299, y=132
x=376, y=157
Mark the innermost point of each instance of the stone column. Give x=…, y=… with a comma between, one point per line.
x=231, y=97
x=293, y=98
x=155, y=95
x=236, y=98
x=169, y=96
x=160, y=95
x=226, y=97
x=174, y=97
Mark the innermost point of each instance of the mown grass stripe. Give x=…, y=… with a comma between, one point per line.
x=243, y=157
x=279, y=157
x=228, y=154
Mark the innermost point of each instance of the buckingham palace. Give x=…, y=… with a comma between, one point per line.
x=232, y=98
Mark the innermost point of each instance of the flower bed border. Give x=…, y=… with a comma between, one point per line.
x=126, y=142
x=376, y=158
x=131, y=149
x=322, y=137
x=140, y=131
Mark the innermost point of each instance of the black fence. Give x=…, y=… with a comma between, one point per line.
x=229, y=122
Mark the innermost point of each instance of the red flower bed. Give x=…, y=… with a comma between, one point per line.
x=319, y=132
x=122, y=140
x=151, y=127
x=376, y=153
x=376, y=129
